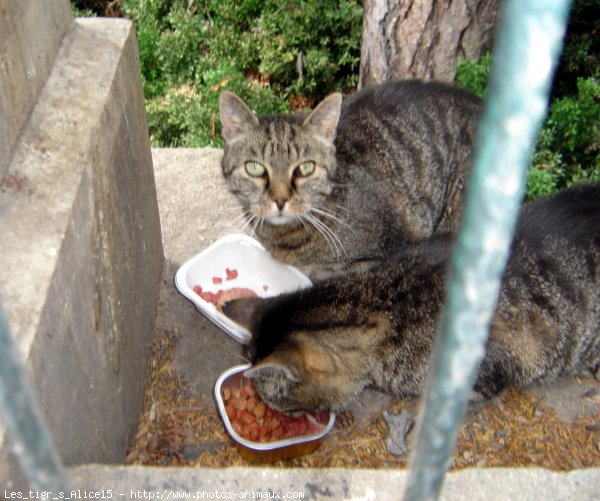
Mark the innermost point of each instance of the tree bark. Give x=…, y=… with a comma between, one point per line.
x=423, y=38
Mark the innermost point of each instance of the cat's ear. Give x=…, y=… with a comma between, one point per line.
x=324, y=118
x=273, y=368
x=246, y=311
x=236, y=117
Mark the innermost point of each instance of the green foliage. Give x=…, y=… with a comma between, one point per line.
x=571, y=135
x=188, y=115
x=473, y=75
x=266, y=51
x=77, y=12
x=310, y=47
x=91, y=8
x=543, y=178
x=568, y=146
x=270, y=52
x=581, y=55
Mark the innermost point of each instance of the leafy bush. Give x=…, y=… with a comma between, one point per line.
x=581, y=55
x=473, y=75
x=277, y=55
x=90, y=8
x=266, y=51
x=568, y=147
x=186, y=116
x=572, y=133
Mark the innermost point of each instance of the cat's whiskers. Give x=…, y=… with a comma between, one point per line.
x=249, y=218
x=338, y=209
x=262, y=220
x=257, y=221
x=328, y=234
x=301, y=219
x=238, y=223
x=342, y=208
x=331, y=215
x=237, y=207
x=315, y=223
x=240, y=356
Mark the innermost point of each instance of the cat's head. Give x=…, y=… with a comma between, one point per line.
x=298, y=369
x=280, y=167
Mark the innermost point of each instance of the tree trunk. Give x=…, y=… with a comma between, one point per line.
x=423, y=38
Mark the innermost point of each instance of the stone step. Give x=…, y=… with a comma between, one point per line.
x=330, y=484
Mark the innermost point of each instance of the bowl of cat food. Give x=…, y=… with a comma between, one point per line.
x=262, y=434
x=232, y=267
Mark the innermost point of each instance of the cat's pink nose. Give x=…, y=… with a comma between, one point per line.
x=280, y=202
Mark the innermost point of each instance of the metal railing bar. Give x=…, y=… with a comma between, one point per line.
x=26, y=429
x=526, y=51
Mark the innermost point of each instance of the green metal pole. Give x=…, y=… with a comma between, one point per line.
x=26, y=430
x=527, y=48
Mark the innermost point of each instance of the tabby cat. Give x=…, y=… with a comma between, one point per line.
x=353, y=180
x=318, y=348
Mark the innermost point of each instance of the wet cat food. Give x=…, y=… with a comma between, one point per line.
x=220, y=297
x=259, y=433
x=254, y=420
x=231, y=274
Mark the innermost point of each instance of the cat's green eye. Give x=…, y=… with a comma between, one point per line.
x=255, y=169
x=305, y=169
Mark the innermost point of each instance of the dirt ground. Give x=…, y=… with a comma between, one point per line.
x=556, y=427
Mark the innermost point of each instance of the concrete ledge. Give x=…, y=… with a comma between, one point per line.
x=82, y=258
x=30, y=35
x=331, y=484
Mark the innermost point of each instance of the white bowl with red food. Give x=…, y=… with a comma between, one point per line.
x=260, y=433
x=232, y=267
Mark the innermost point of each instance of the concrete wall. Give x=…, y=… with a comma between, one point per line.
x=82, y=252
x=30, y=35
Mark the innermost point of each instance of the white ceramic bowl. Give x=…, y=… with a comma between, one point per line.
x=256, y=270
